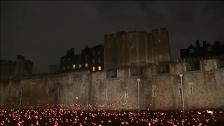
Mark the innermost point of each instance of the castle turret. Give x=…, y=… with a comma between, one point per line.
x=161, y=45
x=136, y=48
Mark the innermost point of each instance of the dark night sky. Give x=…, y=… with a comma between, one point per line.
x=43, y=31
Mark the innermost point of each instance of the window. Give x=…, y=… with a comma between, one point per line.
x=164, y=68
x=105, y=92
x=93, y=68
x=191, y=88
x=126, y=93
x=136, y=71
x=193, y=65
x=153, y=90
x=125, y=96
x=74, y=66
x=99, y=68
x=112, y=73
x=86, y=65
x=221, y=63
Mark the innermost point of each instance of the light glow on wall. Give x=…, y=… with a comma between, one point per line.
x=99, y=68
x=93, y=68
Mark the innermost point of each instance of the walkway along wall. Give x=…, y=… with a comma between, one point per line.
x=201, y=89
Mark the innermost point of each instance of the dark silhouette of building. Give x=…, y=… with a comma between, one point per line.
x=23, y=66
x=205, y=50
x=89, y=59
x=97, y=57
x=15, y=69
x=7, y=68
x=68, y=60
x=194, y=53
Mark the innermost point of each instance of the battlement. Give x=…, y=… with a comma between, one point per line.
x=159, y=30
x=170, y=68
x=131, y=32
x=117, y=34
x=159, y=87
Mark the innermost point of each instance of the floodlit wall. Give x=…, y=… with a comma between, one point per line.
x=201, y=89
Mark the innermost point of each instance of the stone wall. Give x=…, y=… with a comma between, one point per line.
x=201, y=89
x=136, y=48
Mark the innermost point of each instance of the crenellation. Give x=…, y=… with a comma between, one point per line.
x=157, y=90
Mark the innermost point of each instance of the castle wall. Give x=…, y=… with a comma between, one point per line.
x=202, y=89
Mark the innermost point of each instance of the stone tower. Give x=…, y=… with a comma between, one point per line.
x=161, y=45
x=136, y=48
